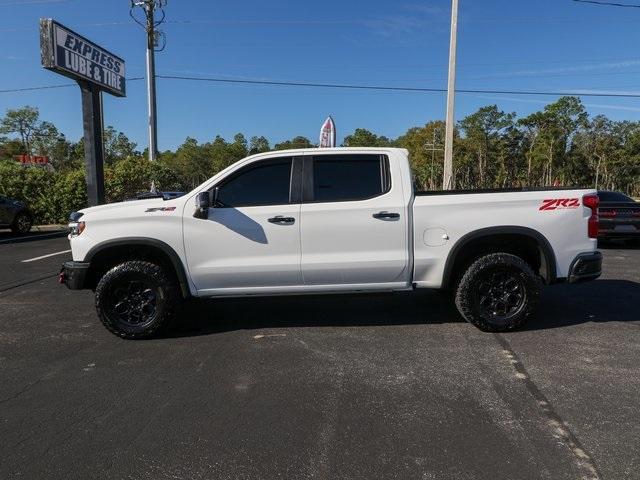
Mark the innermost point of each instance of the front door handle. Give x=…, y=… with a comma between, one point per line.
x=280, y=220
x=386, y=215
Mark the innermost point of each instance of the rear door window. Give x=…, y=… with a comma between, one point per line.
x=339, y=178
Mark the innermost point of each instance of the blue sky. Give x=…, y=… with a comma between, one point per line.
x=502, y=44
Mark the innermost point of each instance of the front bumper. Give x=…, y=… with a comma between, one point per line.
x=585, y=267
x=72, y=274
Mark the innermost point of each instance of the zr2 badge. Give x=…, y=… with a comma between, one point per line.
x=559, y=203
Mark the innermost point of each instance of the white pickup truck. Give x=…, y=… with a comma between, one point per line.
x=327, y=221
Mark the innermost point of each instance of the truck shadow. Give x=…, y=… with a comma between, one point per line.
x=561, y=306
x=599, y=301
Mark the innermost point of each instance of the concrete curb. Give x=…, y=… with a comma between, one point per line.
x=48, y=228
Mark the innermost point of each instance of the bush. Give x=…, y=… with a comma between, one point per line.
x=51, y=196
x=135, y=174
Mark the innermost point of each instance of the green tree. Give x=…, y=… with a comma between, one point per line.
x=117, y=146
x=426, y=153
x=484, y=141
x=194, y=166
x=295, y=142
x=548, y=135
x=258, y=145
x=48, y=141
x=9, y=148
x=23, y=122
x=362, y=137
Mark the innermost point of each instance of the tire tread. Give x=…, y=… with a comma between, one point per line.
x=464, y=292
x=170, y=293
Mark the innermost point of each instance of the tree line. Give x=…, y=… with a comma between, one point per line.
x=559, y=145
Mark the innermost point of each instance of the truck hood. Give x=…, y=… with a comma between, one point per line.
x=124, y=207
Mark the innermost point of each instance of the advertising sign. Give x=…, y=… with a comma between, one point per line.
x=64, y=51
x=328, y=133
x=33, y=159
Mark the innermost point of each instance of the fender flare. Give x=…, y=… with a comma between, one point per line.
x=177, y=264
x=545, y=248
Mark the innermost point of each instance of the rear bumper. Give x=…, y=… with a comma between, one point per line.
x=585, y=267
x=72, y=274
x=619, y=227
x=606, y=234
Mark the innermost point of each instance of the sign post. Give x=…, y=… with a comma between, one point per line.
x=96, y=70
x=93, y=144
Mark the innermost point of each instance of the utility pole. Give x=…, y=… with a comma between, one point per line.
x=447, y=179
x=154, y=36
x=433, y=148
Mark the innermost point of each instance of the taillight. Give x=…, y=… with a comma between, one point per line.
x=592, y=201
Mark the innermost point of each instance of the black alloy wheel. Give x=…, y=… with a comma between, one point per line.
x=136, y=299
x=498, y=292
x=133, y=302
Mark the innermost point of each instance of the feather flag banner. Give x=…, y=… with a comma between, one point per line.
x=328, y=133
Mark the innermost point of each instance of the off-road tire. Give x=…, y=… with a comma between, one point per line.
x=21, y=224
x=476, y=297
x=124, y=292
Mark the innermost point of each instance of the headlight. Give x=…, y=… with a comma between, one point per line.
x=76, y=228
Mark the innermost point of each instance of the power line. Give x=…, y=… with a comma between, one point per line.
x=353, y=87
x=608, y=4
x=47, y=87
x=30, y=89
x=396, y=89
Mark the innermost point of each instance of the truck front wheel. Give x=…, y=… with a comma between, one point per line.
x=498, y=292
x=135, y=299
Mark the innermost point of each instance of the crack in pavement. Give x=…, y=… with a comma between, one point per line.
x=21, y=391
x=27, y=282
x=560, y=429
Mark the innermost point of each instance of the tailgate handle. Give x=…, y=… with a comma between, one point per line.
x=280, y=220
x=386, y=215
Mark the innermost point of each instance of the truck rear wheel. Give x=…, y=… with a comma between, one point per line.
x=136, y=299
x=498, y=292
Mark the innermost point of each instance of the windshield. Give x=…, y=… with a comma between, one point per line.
x=614, y=197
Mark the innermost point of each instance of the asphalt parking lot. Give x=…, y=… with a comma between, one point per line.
x=369, y=387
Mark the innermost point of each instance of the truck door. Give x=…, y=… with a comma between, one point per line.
x=250, y=241
x=354, y=222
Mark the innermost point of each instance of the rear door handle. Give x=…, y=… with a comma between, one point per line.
x=280, y=220
x=386, y=215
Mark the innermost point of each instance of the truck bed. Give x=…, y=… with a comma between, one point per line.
x=422, y=193
x=442, y=218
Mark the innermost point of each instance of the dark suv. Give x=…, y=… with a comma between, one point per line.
x=14, y=214
x=619, y=216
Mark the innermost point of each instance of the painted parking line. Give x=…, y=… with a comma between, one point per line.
x=45, y=256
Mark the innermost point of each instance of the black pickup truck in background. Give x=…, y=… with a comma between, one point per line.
x=619, y=217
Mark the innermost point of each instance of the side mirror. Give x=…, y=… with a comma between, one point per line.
x=203, y=202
